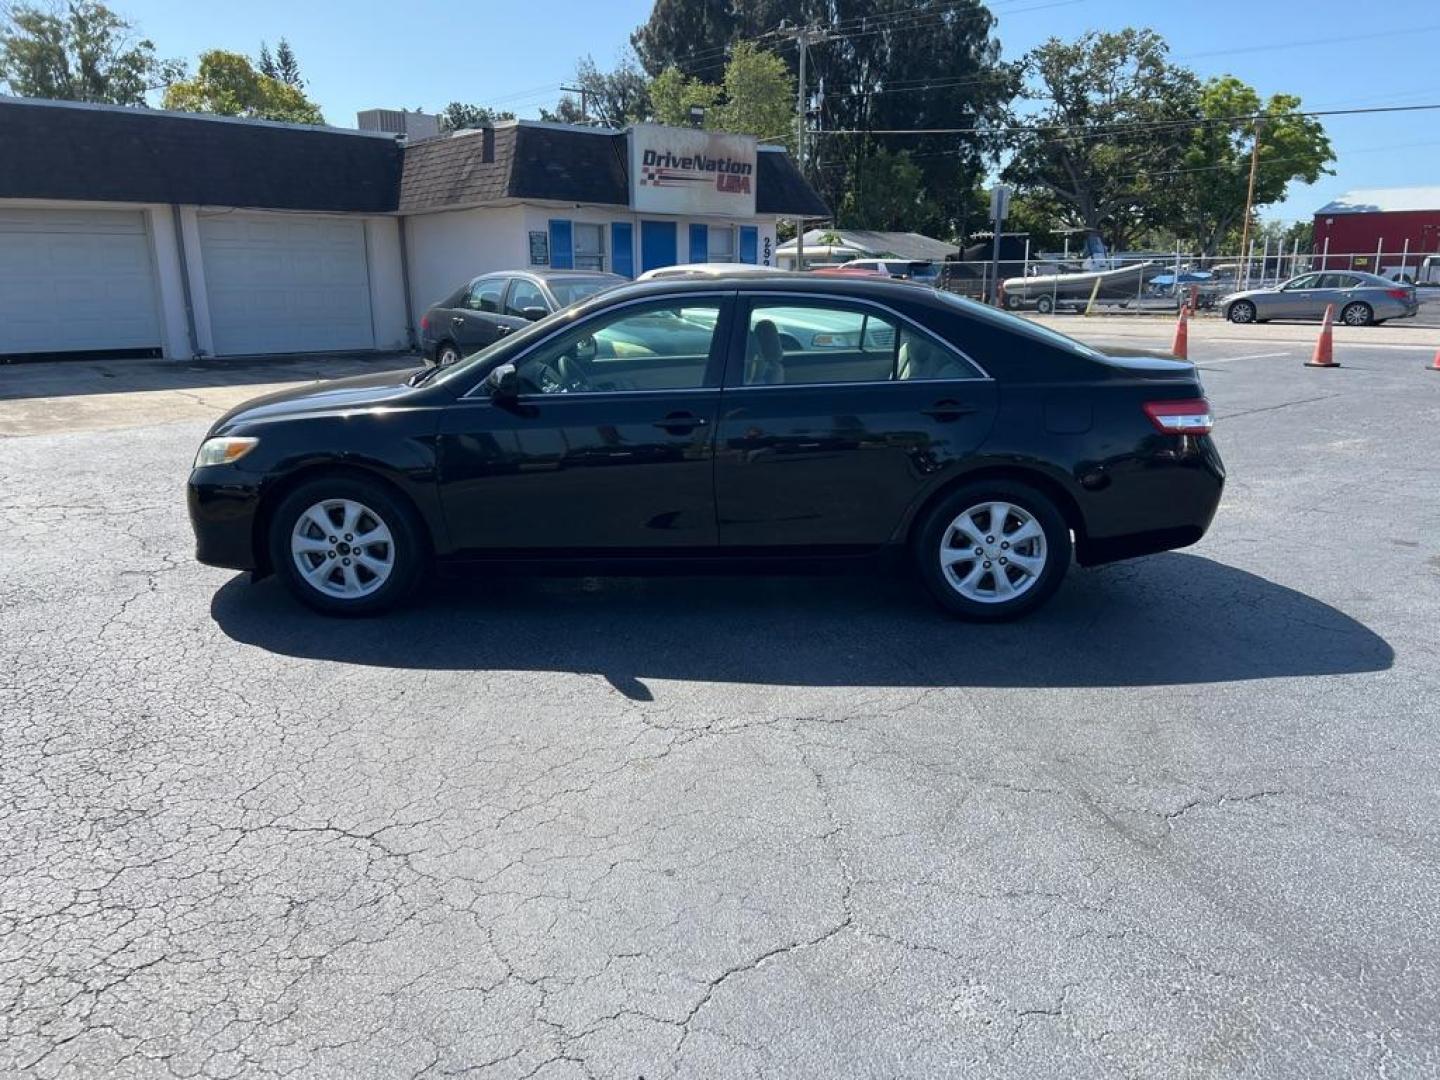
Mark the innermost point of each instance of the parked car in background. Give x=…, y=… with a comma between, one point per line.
x=1360, y=299
x=908, y=269
x=488, y=307
x=706, y=269
x=669, y=423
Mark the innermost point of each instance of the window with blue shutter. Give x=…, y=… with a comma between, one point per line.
x=699, y=243
x=622, y=248
x=749, y=244
x=562, y=249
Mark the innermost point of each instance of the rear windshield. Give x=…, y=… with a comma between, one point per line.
x=1018, y=325
x=571, y=290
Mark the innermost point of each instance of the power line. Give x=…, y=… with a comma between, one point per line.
x=1102, y=130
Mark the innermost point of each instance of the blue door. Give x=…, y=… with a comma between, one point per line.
x=562, y=253
x=749, y=244
x=622, y=248
x=658, y=245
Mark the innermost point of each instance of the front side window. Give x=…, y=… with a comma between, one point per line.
x=790, y=345
x=1309, y=281
x=662, y=346
x=485, y=295
x=589, y=246
x=721, y=247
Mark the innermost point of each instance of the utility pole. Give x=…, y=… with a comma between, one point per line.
x=584, y=100
x=1250, y=194
x=804, y=36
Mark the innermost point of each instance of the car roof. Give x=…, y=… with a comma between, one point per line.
x=544, y=274
x=878, y=288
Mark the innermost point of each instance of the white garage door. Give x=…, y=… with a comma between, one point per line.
x=286, y=283
x=75, y=280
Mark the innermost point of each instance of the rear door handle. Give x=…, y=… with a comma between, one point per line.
x=681, y=421
x=945, y=411
x=503, y=329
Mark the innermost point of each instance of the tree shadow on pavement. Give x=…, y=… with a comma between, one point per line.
x=1168, y=619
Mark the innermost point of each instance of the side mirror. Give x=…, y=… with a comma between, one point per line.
x=534, y=314
x=503, y=383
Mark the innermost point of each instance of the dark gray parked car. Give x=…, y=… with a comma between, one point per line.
x=1359, y=299
x=490, y=306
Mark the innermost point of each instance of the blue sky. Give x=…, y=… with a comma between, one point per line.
x=364, y=53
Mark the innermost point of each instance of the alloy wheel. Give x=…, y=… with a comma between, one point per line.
x=1242, y=312
x=1356, y=315
x=993, y=552
x=342, y=548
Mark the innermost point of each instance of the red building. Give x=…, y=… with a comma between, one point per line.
x=1402, y=223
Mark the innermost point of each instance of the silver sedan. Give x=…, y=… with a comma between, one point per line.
x=1359, y=299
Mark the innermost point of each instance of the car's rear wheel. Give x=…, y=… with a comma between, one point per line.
x=1012, y=302
x=448, y=353
x=1242, y=311
x=1045, y=305
x=993, y=551
x=346, y=546
x=1357, y=314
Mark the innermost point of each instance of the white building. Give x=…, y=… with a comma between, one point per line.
x=150, y=233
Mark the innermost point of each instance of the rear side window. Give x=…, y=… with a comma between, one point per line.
x=524, y=294
x=795, y=344
x=485, y=295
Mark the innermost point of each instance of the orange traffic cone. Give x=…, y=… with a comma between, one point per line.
x=1180, y=347
x=1435, y=364
x=1324, y=355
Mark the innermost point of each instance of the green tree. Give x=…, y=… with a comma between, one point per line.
x=1113, y=112
x=612, y=98
x=755, y=97
x=758, y=96
x=888, y=194
x=227, y=84
x=1207, y=188
x=282, y=66
x=457, y=116
x=81, y=51
x=673, y=95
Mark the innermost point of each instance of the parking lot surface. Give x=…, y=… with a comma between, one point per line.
x=1179, y=823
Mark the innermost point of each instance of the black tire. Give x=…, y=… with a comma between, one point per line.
x=1357, y=313
x=934, y=533
x=1012, y=302
x=1242, y=312
x=447, y=353
x=407, y=549
x=1045, y=305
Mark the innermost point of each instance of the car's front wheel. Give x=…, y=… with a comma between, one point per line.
x=1242, y=311
x=993, y=551
x=345, y=545
x=1045, y=305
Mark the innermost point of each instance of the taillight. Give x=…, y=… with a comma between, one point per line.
x=1398, y=294
x=1188, y=417
x=425, y=321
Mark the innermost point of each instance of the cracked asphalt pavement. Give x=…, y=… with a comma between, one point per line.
x=1180, y=823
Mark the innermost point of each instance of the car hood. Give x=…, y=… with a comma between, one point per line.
x=357, y=392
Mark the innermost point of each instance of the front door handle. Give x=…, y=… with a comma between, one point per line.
x=946, y=411
x=503, y=329
x=678, y=422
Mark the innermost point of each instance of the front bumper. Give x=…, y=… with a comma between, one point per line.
x=224, y=506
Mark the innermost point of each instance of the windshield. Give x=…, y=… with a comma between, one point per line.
x=1019, y=325
x=573, y=290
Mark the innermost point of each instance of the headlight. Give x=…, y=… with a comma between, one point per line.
x=223, y=450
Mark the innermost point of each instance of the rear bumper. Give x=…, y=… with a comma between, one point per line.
x=1162, y=501
x=223, y=508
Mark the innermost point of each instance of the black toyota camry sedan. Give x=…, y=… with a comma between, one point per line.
x=767, y=421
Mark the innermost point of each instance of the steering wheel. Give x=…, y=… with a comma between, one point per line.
x=564, y=376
